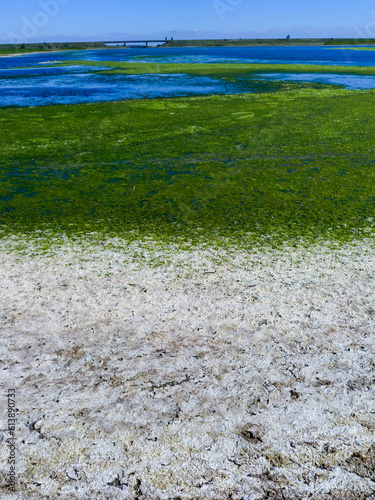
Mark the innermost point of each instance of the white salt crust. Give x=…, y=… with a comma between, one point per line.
x=216, y=375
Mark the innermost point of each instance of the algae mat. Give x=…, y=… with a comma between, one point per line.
x=293, y=164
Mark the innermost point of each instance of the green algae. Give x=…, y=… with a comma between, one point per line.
x=287, y=166
x=352, y=48
x=216, y=69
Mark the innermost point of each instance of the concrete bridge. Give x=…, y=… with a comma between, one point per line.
x=143, y=42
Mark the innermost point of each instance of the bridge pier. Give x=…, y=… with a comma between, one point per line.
x=146, y=42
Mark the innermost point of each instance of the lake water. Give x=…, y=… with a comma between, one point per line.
x=39, y=85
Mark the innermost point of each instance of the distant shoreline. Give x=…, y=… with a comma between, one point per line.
x=56, y=51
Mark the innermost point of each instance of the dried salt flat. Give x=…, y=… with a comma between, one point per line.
x=214, y=375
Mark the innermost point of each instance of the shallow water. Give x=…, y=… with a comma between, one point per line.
x=64, y=87
x=26, y=81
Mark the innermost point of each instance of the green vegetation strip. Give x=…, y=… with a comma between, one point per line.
x=223, y=70
x=251, y=167
x=24, y=48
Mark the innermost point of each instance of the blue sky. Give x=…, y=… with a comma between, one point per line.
x=70, y=20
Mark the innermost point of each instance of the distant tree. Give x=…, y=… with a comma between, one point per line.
x=288, y=37
x=22, y=46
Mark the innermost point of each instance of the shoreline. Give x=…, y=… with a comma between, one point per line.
x=33, y=53
x=249, y=45
x=58, y=51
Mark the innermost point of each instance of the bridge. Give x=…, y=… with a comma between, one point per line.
x=143, y=42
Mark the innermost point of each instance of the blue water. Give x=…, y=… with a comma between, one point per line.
x=280, y=55
x=27, y=81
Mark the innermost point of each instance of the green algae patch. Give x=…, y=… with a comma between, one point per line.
x=218, y=69
x=247, y=168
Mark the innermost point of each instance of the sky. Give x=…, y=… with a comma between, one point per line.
x=101, y=20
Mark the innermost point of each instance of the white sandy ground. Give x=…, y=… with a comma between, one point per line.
x=217, y=375
x=32, y=53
